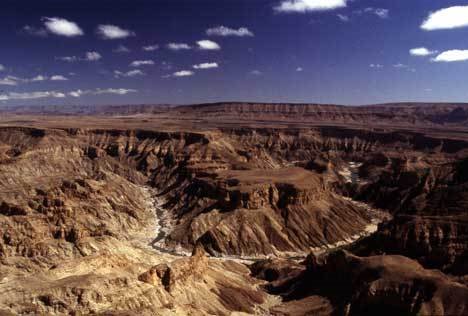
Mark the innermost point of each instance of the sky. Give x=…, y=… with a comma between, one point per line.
x=195, y=51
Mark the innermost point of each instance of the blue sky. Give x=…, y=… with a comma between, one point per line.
x=185, y=51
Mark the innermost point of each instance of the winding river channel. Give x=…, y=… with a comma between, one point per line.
x=164, y=224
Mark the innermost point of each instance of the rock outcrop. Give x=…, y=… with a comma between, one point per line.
x=389, y=285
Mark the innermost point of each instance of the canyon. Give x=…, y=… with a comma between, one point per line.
x=234, y=208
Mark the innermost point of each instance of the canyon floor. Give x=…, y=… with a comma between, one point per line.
x=234, y=209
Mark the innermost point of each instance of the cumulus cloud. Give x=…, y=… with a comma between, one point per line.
x=303, y=6
x=108, y=31
x=178, y=46
x=421, y=51
x=299, y=69
x=58, y=78
x=208, y=45
x=92, y=56
x=2, y=68
x=139, y=63
x=62, y=27
x=131, y=73
x=226, y=31
x=256, y=72
x=452, y=56
x=206, y=66
x=183, y=73
x=150, y=48
x=121, y=49
x=447, y=18
x=376, y=66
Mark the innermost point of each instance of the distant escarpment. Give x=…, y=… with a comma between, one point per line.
x=392, y=114
x=408, y=114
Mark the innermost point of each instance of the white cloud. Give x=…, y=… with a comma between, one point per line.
x=447, y=18
x=78, y=93
x=31, y=95
x=14, y=81
x=58, y=78
x=404, y=67
x=131, y=73
x=57, y=94
x=206, y=66
x=299, y=69
x=150, y=48
x=226, y=31
x=2, y=68
x=256, y=72
x=31, y=30
x=303, y=6
x=121, y=49
x=208, y=45
x=343, y=18
x=178, y=46
x=37, y=78
x=452, y=55
x=421, y=51
x=120, y=91
x=108, y=31
x=89, y=56
x=63, y=27
x=381, y=13
x=183, y=73
x=139, y=63
x=69, y=59
x=9, y=81
x=93, y=56
x=376, y=66
x=378, y=12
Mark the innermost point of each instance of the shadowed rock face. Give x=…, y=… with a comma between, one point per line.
x=387, y=285
x=429, y=201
